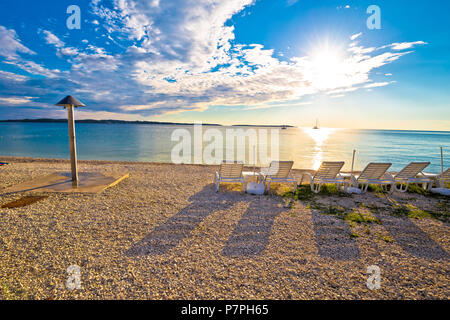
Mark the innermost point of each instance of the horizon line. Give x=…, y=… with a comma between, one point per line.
x=58, y=120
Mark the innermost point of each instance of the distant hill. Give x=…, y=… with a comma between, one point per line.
x=107, y=122
x=44, y=120
x=262, y=126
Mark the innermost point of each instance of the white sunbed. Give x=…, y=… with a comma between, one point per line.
x=412, y=173
x=327, y=173
x=374, y=173
x=279, y=172
x=230, y=172
x=441, y=180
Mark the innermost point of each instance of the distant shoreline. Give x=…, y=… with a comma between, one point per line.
x=45, y=120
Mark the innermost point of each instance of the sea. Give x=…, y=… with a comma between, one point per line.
x=307, y=147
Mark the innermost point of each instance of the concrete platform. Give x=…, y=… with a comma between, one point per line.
x=90, y=182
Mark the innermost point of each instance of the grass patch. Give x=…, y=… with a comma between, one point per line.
x=418, y=189
x=416, y=213
x=361, y=217
x=375, y=188
x=332, y=189
x=387, y=239
x=316, y=206
x=378, y=190
x=373, y=207
x=400, y=211
x=413, y=212
x=413, y=188
x=440, y=215
x=442, y=205
x=335, y=211
x=304, y=192
x=11, y=292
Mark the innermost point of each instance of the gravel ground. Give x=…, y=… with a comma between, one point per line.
x=165, y=234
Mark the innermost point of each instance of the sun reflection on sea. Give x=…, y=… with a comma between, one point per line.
x=319, y=136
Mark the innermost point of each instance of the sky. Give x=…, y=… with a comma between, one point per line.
x=230, y=61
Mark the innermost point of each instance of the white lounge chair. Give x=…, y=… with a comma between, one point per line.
x=327, y=173
x=278, y=171
x=412, y=173
x=443, y=178
x=230, y=172
x=441, y=181
x=374, y=173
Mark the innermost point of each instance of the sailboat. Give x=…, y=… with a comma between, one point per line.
x=316, y=127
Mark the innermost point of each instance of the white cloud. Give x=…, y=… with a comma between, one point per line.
x=378, y=84
x=13, y=101
x=10, y=44
x=182, y=55
x=353, y=37
x=12, y=76
x=406, y=45
x=11, y=48
x=33, y=68
x=52, y=39
x=291, y=2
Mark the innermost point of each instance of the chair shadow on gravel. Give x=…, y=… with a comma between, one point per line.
x=333, y=238
x=179, y=226
x=251, y=235
x=412, y=239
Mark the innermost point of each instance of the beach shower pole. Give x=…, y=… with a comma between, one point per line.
x=353, y=159
x=73, y=144
x=70, y=103
x=442, y=167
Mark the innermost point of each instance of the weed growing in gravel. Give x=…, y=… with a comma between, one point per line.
x=332, y=189
x=10, y=292
x=400, y=210
x=361, y=217
x=354, y=235
x=413, y=212
x=378, y=190
x=412, y=188
x=373, y=207
x=387, y=239
x=417, y=189
x=417, y=213
x=375, y=188
x=304, y=192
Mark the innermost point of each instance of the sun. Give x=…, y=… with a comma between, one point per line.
x=326, y=59
x=327, y=67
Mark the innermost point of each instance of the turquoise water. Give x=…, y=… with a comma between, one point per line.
x=307, y=147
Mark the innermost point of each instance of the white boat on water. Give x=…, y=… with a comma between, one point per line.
x=316, y=127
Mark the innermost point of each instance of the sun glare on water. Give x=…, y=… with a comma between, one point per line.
x=319, y=136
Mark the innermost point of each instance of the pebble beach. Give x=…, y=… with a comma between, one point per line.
x=164, y=233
